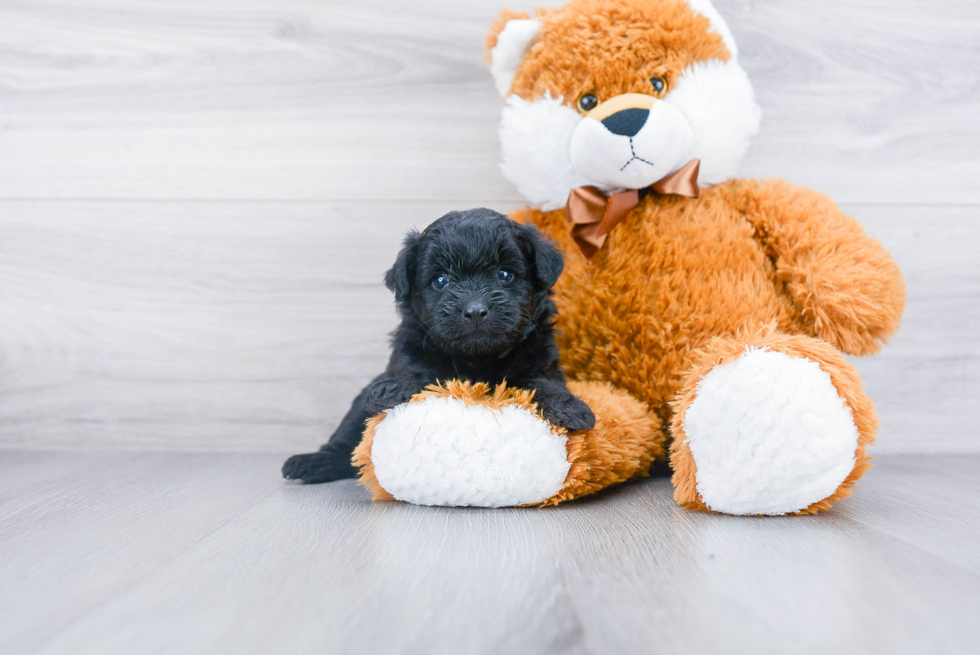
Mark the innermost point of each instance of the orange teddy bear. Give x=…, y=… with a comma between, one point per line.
x=698, y=311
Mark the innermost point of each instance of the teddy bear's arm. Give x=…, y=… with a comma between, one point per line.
x=848, y=289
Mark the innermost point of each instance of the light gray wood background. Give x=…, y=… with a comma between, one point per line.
x=198, y=199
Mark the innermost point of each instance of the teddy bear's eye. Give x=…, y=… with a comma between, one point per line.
x=588, y=102
x=658, y=84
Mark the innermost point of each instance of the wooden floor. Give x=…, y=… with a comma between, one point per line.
x=212, y=553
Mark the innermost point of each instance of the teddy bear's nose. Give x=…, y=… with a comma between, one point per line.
x=626, y=122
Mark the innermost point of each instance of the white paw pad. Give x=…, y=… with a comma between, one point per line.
x=442, y=451
x=769, y=435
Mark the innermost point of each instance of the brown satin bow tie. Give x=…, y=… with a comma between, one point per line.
x=593, y=214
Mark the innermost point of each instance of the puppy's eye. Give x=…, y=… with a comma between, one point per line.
x=588, y=102
x=505, y=276
x=441, y=281
x=659, y=84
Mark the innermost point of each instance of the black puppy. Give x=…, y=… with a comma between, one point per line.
x=474, y=294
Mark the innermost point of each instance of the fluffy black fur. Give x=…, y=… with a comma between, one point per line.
x=474, y=294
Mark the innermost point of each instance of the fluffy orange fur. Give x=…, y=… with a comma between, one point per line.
x=678, y=272
x=624, y=442
x=594, y=46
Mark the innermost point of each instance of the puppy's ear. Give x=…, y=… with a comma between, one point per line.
x=546, y=260
x=399, y=278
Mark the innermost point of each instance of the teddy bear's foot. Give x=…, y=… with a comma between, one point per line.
x=460, y=445
x=465, y=444
x=769, y=423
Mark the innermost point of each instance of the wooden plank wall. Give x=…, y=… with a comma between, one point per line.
x=198, y=199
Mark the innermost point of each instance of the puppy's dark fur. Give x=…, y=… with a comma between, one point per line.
x=474, y=294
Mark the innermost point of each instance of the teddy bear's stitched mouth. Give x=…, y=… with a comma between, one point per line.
x=634, y=158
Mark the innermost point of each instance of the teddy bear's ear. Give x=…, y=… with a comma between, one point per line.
x=718, y=25
x=510, y=35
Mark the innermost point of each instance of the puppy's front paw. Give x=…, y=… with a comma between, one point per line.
x=569, y=412
x=387, y=393
x=313, y=468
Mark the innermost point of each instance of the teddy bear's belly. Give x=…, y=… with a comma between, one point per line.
x=665, y=283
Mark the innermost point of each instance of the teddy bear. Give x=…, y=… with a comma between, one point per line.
x=704, y=318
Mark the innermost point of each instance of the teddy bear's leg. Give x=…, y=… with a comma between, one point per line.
x=626, y=440
x=769, y=423
x=464, y=444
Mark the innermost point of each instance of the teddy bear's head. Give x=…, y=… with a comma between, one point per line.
x=617, y=94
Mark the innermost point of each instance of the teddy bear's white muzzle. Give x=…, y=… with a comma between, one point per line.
x=632, y=147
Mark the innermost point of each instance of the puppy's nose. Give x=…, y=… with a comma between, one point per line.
x=475, y=312
x=626, y=122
